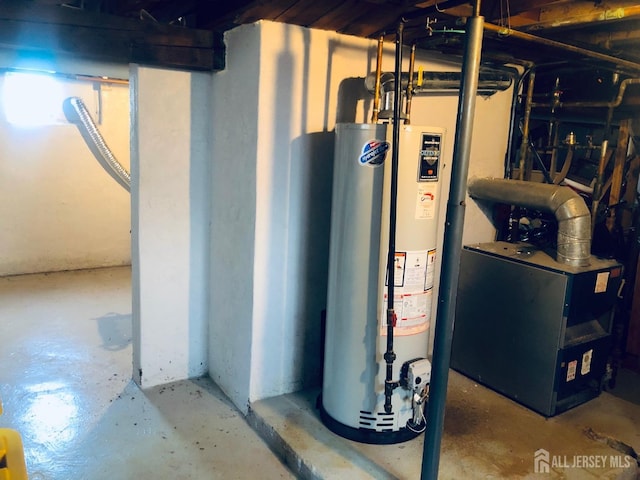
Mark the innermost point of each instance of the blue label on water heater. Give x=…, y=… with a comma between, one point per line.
x=374, y=153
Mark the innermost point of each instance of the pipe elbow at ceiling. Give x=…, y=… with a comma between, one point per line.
x=569, y=209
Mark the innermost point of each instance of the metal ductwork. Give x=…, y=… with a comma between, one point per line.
x=76, y=112
x=570, y=210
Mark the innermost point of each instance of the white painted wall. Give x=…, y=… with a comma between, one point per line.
x=234, y=200
x=60, y=210
x=271, y=190
x=170, y=152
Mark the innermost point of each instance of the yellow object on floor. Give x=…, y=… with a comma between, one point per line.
x=12, y=466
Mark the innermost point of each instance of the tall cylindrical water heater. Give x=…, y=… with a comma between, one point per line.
x=353, y=393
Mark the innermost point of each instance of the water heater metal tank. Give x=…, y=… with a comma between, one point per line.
x=353, y=397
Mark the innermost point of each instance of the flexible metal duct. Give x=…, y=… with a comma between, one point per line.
x=76, y=112
x=570, y=210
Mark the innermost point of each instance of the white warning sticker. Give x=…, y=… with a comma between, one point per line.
x=410, y=270
x=431, y=270
x=602, y=280
x=586, y=362
x=399, y=263
x=413, y=313
x=415, y=271
x=571, y=370
x=426, y=201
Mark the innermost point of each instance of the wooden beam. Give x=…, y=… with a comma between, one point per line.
x=306, y=12
x=92, y=36
x=629, y=197
x=609, y=39
x=578, y=14
x=618, y=164
x=524, y=6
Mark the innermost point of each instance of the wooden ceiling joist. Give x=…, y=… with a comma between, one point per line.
x=63, y=31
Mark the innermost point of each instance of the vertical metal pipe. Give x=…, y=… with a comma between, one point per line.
x=451, y=248
x=390, y=356
x=412, y=63
x=602, y=164
x=508, y=168
x=524, y=146
x=376, y=94
x=553, y=163
x=554, y=127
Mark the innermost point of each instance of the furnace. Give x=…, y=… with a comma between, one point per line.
x=532, y=328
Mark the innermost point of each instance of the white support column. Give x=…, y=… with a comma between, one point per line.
x=170, y=158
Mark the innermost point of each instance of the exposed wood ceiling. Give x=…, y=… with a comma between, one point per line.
x=177, y=28
x=610, y=27
x=597, y=37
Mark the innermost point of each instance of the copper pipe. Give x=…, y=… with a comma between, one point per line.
x=553, y=162
x=376, y=94
x=107, y=80
x=476, y=8
x=618, y=62
x=412, y=62
x=557, y=180
x=597, y=188
x=602, y=164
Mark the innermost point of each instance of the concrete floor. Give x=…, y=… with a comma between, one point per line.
x=65, y=383
x=65, y=373
x=486, y=436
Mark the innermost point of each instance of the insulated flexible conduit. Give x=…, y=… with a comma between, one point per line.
x=570, y=210
x=77, y=113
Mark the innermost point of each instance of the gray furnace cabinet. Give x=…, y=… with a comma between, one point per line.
x=535, y=330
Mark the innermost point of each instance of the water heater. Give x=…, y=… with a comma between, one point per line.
x=353, y=392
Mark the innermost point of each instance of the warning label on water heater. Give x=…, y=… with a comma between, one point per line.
x=413, y=291
x=426, y=201
x=413, y=312
x=431, y=270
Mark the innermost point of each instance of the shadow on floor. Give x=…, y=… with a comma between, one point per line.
x=115, y=331
x=627, y=386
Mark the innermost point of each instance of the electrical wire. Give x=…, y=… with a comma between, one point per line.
x=418, y=423
x=506, y=26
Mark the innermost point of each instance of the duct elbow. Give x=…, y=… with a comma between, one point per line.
x=569, y=209
x=574, y=232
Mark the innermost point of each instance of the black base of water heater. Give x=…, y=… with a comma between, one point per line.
x=365, y=435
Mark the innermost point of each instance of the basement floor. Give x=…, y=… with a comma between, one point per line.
x=65, y=383
x=65, y=361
